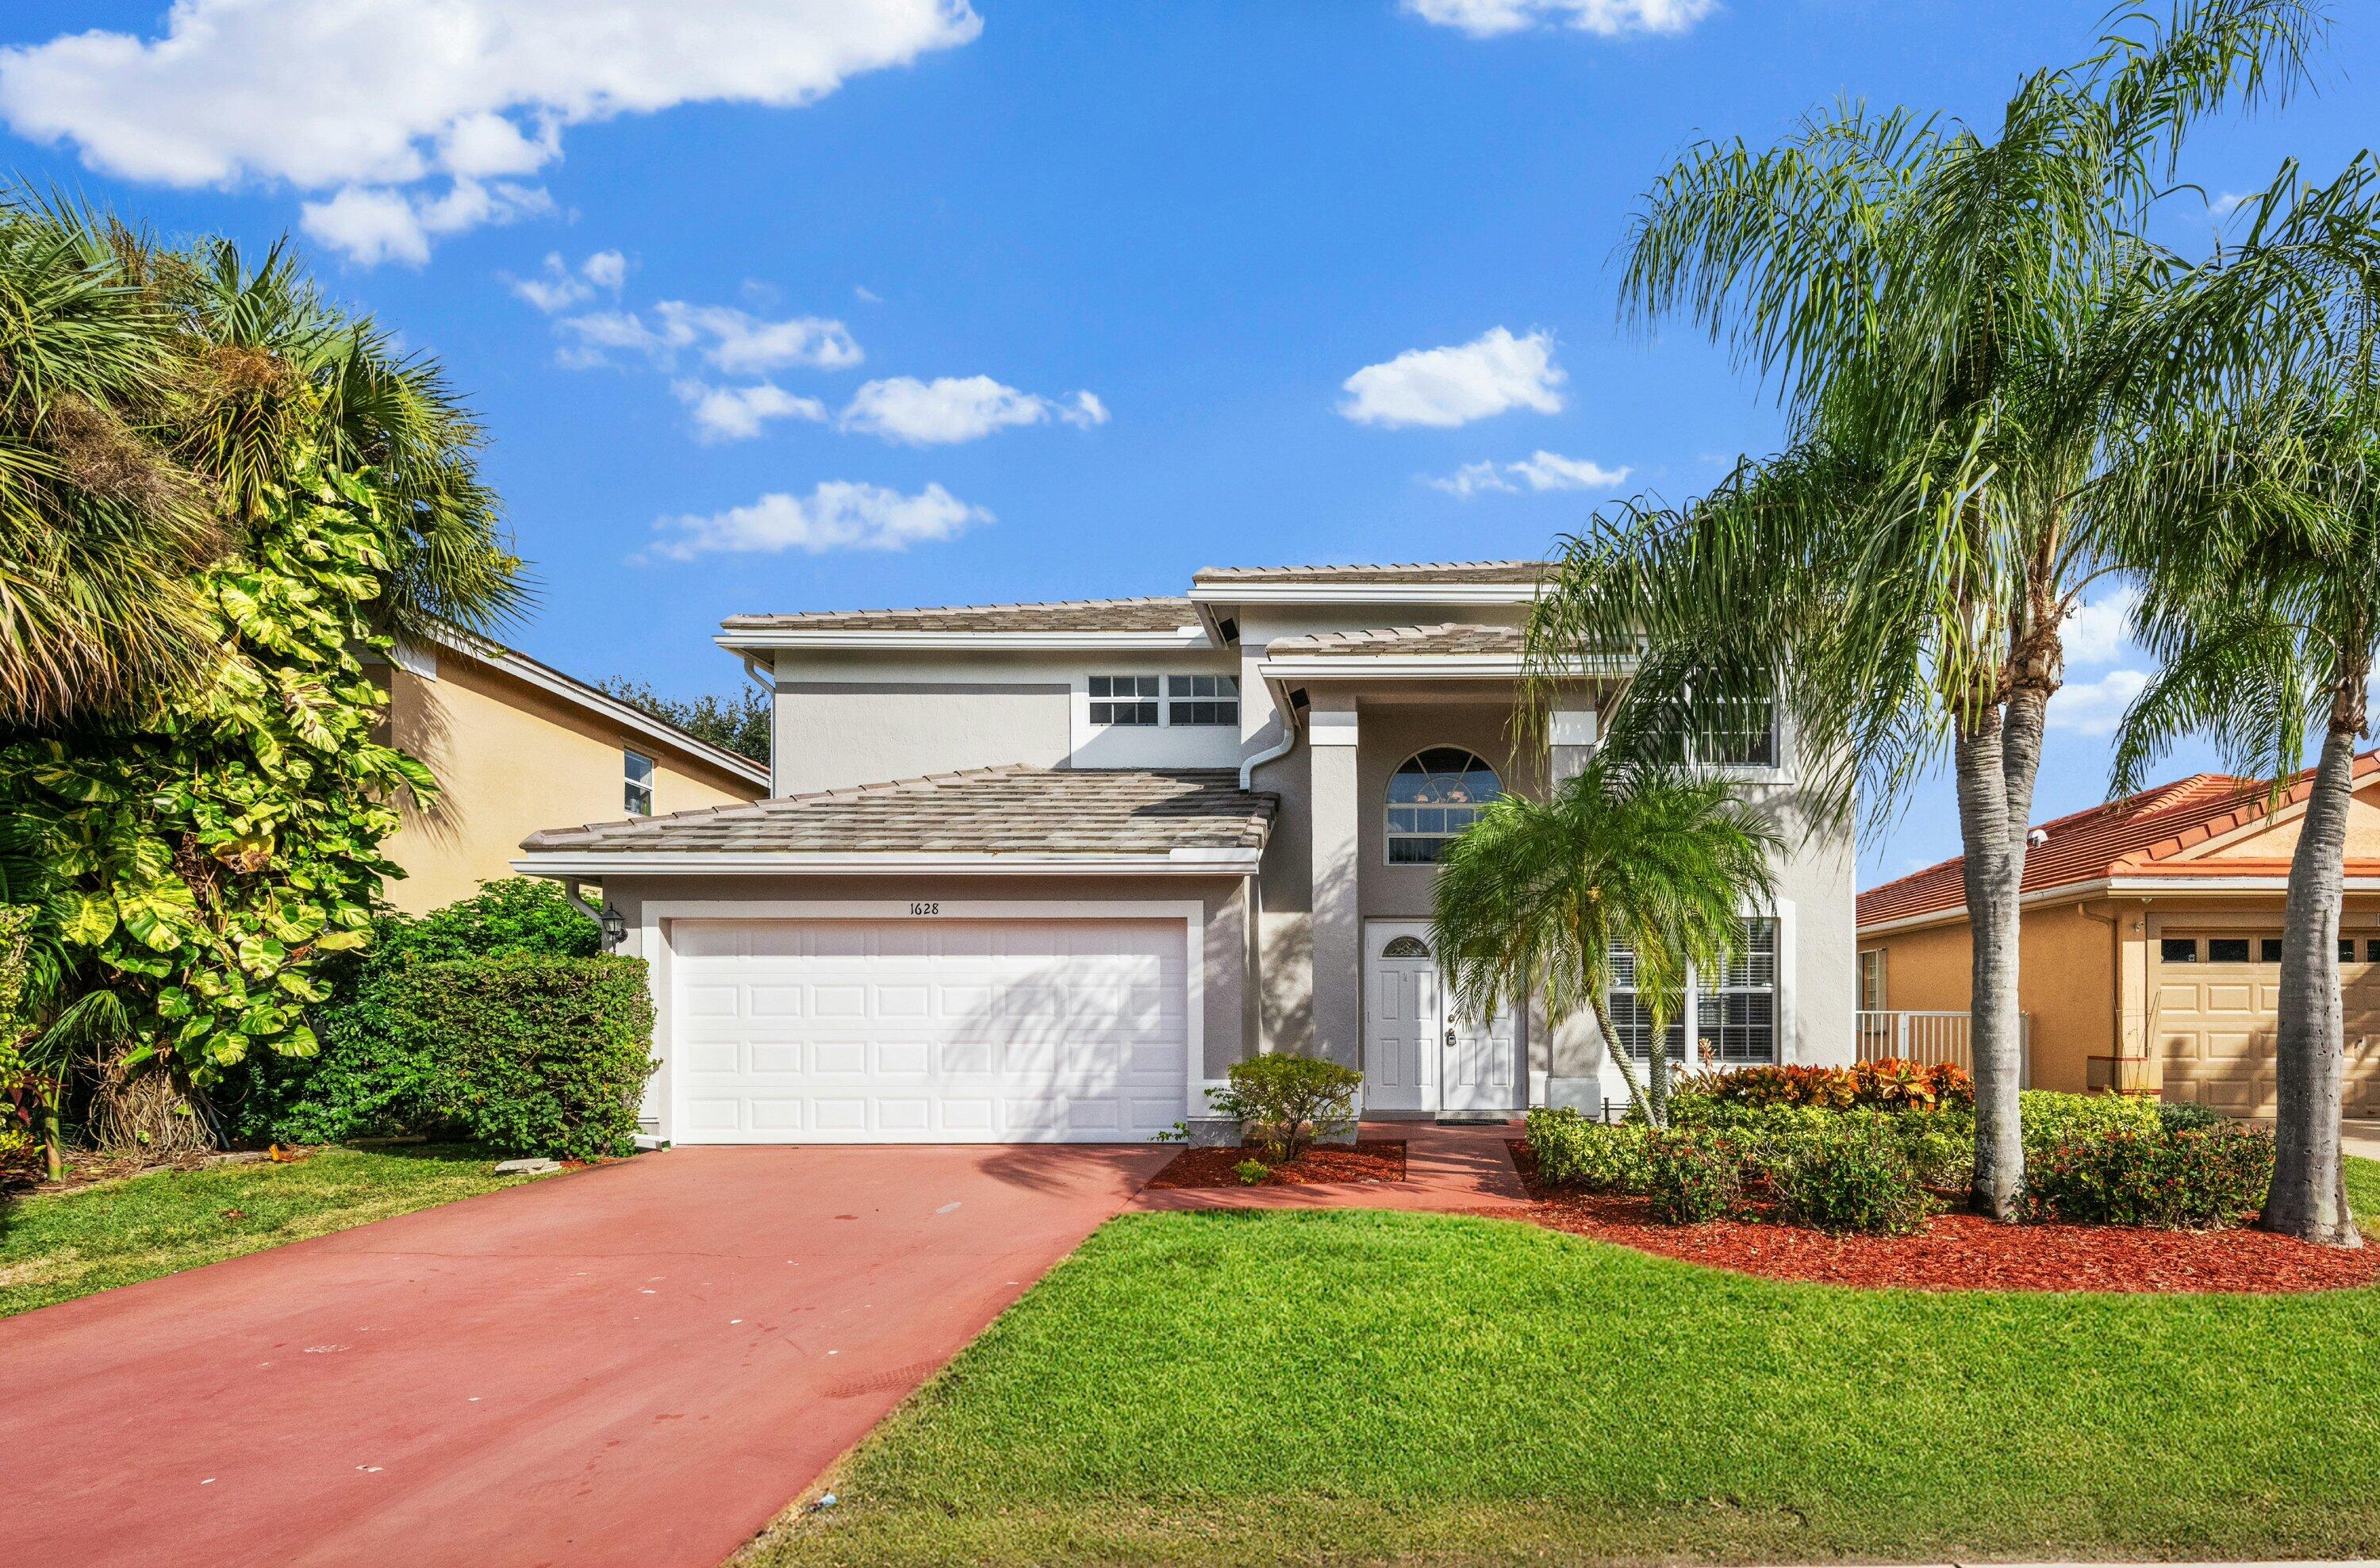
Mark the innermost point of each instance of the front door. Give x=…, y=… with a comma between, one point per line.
x=1418, y=1055
x=1402, y=1019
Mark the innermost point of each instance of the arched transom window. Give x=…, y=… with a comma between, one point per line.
x=1434, y=796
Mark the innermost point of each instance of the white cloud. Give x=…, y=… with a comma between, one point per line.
x=2096, y=706
x=1489, y=19
x=1541, y=471
x=557, y=287
x=410, y=113
x=736, y=413
x=730, y=340
x=1444, y=387
x=838, y=514
x=954, y=408
x=2096, y=633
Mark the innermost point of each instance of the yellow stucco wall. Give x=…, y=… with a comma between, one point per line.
x=2066, y=969
x=512, y=759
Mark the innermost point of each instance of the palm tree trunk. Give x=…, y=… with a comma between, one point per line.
x=1619, y=1059
x=2002, y=752
x=2309, y=1196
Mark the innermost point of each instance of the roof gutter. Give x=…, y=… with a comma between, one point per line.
x=597, y=864
x=1276, y=751
x=2113, y=887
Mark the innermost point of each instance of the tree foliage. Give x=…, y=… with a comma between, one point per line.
x=1542, y=899
x=222, y=495
x=737, y=723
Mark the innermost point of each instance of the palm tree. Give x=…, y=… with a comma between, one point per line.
x=101, y=529
x=2257, y=525
x=1953, y=323
x=275, y=365
x=1628, y=860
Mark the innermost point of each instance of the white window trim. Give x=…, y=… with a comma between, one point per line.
x=1789, y=1051
x=652, y=781
x=1164, y=699
x=1389, y=835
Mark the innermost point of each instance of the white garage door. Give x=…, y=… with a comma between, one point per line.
x=928, y=1031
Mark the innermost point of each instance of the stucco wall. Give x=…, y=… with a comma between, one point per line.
x=510, y=759
x=846, y=718
x=1223, y=976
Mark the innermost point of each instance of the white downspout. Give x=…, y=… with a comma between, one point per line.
x=1271, y=753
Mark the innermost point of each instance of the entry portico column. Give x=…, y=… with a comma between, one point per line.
x=1336, y=925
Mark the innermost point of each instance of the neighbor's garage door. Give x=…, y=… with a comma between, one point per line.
x=928, y=1031
x=2217, y=997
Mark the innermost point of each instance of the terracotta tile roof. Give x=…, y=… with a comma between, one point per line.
x=1066, y=615
x=1449, y=638
x=1013, y=810
x=1519, y=572
x=2139, y=835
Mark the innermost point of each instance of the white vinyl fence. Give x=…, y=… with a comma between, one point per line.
x=1929, y=1037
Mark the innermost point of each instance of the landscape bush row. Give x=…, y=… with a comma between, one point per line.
x=497, y=1021
x=1844, y=1149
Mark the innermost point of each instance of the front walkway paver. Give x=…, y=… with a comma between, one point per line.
x=638, y=1363
x=1449, y=1170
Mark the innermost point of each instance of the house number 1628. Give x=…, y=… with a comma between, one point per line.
x=925, y=908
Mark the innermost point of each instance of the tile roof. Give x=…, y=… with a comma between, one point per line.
x=1448, y=638
x=1519, y=572
x=1066, y=615
x=1011, y=810
x=2139, y=835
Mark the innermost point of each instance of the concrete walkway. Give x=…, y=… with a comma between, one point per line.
x=639, y=1364
x=1449, y=1170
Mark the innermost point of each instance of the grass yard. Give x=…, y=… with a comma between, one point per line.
x=54, y=1248
x=1357, y=1386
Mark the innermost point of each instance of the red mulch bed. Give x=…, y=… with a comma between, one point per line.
x=1371, y=1159
x=1965, y=1251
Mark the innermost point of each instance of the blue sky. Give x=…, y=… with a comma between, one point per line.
x=834, y=277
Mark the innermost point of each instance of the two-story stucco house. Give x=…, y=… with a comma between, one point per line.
x=1044, y=871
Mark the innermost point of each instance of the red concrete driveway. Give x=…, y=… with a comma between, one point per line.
x=638, y=1363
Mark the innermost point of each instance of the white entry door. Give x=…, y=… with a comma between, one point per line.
x=928, y=1031
x=1418, y=1054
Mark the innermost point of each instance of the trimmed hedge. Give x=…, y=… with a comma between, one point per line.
x=2195, y=1179
x=1693, y=1175
x=1593, y=1156
x=1856, y=1177
x=493, y=1020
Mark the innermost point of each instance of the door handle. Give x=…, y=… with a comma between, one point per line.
x=1449, y=1037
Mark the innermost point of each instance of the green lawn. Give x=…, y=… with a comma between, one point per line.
x=1355, y=1387
x=55, y=1248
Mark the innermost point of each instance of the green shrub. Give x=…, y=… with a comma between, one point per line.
x=1693, y=1174
x=511, y=915
x=2050, y=1118
x=1286, y=1103
x=371, y=1075
x=1858, y=1176
x=1573, y=1151
x=2180, y=1116
x=1252, y=1172
x=2196, y=1179
x=528, y=1055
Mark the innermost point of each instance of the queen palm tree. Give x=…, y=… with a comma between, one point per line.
x=101, y=529
x=1627, y=862
x=2257, y=522
x=1952, y=321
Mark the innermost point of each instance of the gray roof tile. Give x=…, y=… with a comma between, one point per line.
x=1449, y=638
x=1069, y=615
x=1011, y=810
x=1454, y=573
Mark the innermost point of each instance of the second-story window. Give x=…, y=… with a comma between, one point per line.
x=638, y=769
x=1739, y=735
x=1123, y=699
x=1202, y=699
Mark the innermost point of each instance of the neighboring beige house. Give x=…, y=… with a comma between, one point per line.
x=514, y=745
x=1045, y=872
x=2151, y=943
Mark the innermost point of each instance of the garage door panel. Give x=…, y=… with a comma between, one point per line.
x=895, y=1030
